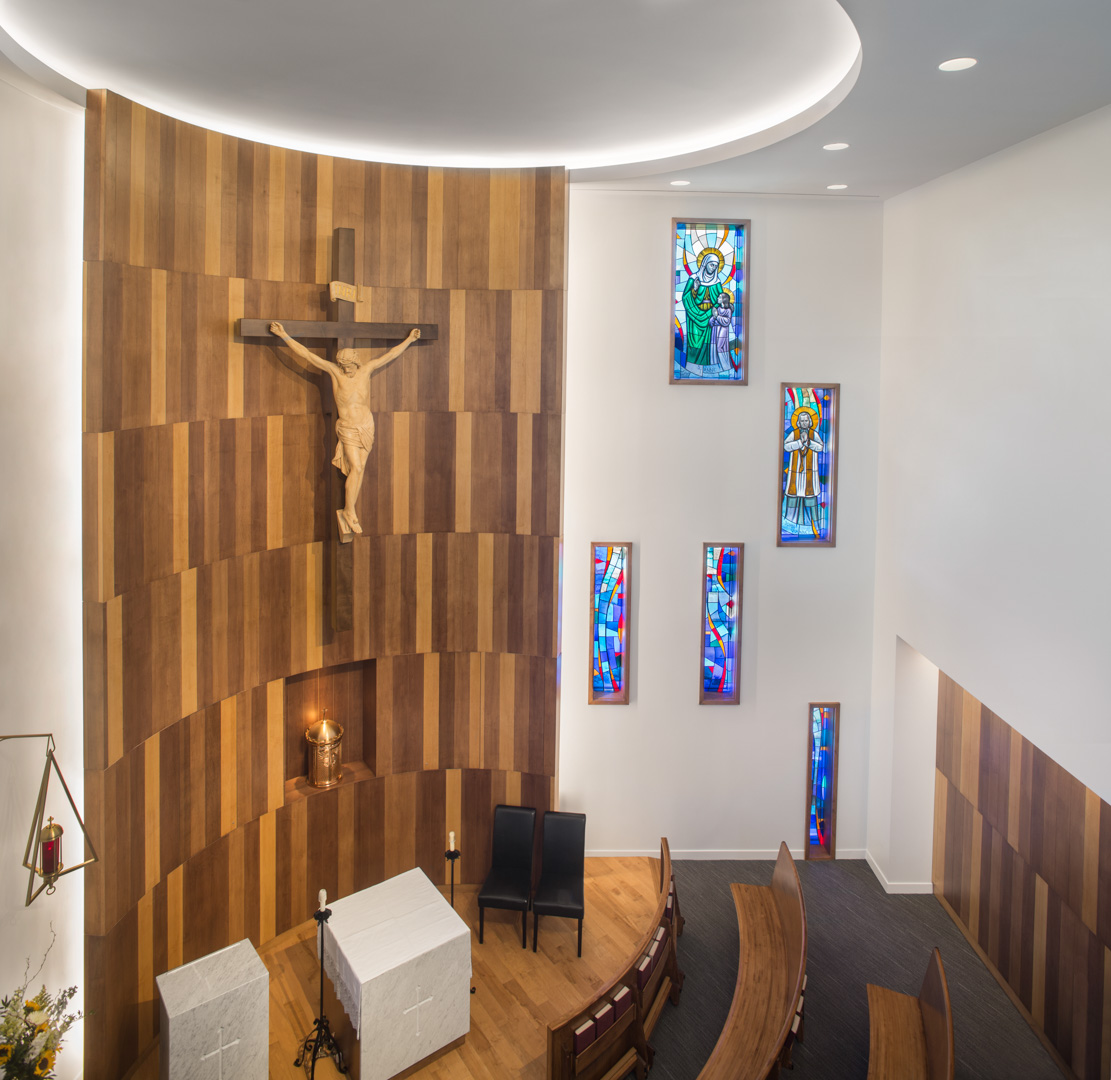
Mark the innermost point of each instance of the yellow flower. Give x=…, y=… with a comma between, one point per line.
x=5, y=1053
x=45, y=1063
x=40, y=1028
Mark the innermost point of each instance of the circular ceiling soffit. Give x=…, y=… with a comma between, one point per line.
x=490, y=83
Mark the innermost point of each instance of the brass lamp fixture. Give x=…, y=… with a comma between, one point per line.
x=325, y=752
x=43, y=856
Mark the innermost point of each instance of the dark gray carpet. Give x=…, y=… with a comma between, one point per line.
x=857, y=934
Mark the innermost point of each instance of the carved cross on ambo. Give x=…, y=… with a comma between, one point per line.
x=218, y=1053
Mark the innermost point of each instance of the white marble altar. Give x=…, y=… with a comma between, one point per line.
x=216, y=1017
x=399, y=958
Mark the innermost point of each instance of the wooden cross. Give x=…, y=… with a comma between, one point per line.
x=340, y=330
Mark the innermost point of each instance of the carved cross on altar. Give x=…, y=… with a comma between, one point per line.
x=355, y=425
x=417, y=1006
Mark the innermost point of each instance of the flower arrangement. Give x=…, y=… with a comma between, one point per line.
x=32, y=1028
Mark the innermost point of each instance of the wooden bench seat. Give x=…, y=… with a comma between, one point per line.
x=771, y=921
x=911, y=1038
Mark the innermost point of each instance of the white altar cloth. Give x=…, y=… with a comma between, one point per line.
x=399, y=958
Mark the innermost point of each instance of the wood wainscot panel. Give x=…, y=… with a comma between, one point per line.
x=1022, y=863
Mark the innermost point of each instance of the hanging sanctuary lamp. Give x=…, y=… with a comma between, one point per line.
x=43, y=855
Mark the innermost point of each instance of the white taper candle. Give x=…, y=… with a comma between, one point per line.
x=323, y=898
x=451, y=841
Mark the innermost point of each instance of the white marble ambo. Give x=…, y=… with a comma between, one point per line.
x=216, y=1017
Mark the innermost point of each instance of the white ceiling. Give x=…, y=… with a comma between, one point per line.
x=1041, y=63
x=603, y=85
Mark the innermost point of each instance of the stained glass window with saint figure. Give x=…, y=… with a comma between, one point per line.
x=808, y=477
x=709, y=324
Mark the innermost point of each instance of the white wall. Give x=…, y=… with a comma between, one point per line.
x=994, y=516
x=40, y=523
x=905, y=834
x=669, y=467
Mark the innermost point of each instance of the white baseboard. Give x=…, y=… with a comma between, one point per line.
x=713, y=854
x=718, y=854
x=917, y=887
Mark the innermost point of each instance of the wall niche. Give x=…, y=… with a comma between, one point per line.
x=348, y=692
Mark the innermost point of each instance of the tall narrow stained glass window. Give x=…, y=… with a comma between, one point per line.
x=808, y=465
x=722, y=588
x=609, y=623
x=821, y=810
x=709, y=310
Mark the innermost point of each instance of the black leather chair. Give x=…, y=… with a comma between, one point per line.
x=509, y=883
x=560, y=890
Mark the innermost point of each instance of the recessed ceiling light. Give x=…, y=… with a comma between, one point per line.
x=836, y=146
x=836, y=187
x=679, y=183
x=957, y=64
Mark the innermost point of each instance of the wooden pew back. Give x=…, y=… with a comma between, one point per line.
x=627, y=1039
x=771, y=922
x=937, y=1020
x=787, y=890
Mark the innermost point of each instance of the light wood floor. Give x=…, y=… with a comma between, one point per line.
x=517, y=992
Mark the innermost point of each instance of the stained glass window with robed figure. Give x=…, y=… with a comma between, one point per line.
x=822, y=804
x=808, y=473
x=722, y=577
x=709, y=324
x=609, y=623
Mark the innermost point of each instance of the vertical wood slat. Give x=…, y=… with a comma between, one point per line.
x=205, y=531
x=1023, y=859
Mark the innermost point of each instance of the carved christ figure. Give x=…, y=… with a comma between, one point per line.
x=354, y=421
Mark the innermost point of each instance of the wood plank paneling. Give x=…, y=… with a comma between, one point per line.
x=206, y=482
x=1022, y=861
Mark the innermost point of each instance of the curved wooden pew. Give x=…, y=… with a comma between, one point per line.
x=609, y=1037
x=911, y=1038
x=770, y=974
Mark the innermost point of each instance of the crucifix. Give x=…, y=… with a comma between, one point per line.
x=349, y=376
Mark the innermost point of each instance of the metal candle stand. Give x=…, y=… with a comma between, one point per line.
x=320, y=1042
x=451, y=856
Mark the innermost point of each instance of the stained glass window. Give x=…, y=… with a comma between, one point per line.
x=709, y=302
x=823, y=780
x=722, y=576
x=808, y=479
x=609, y=628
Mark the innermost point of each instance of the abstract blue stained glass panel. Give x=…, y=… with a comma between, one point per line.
x=823, y=780
x=709, y=327
x=808, y=478
x=722, y=573
x=609, y=623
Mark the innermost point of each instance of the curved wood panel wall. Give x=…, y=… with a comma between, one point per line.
x=208, y=537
